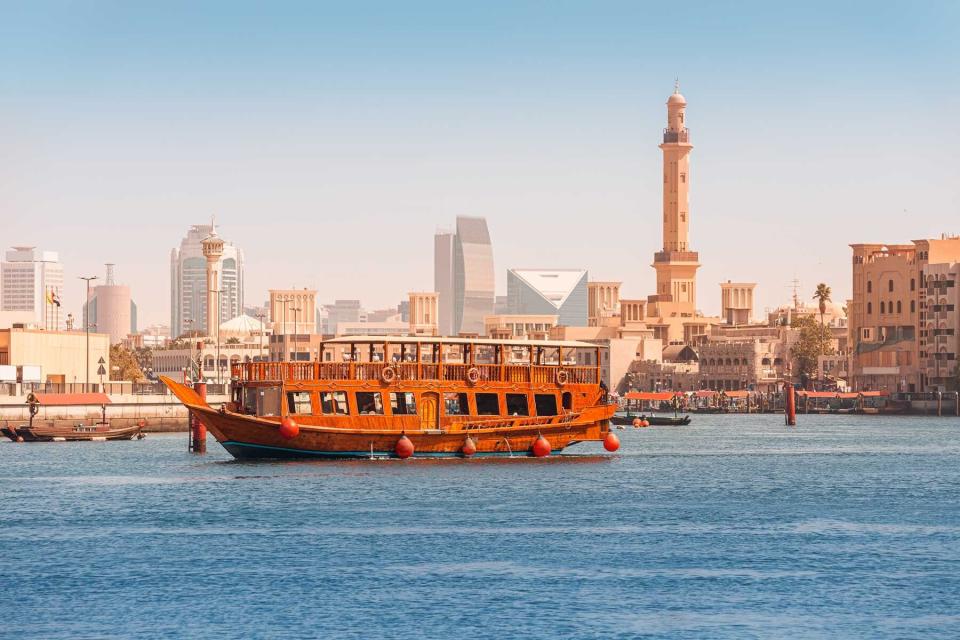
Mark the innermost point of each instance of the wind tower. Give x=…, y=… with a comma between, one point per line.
x=676, y=264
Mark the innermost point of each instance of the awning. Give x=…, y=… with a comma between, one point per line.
x=705, y=394
x=736, y=394
x=63, y=399
x=645, y=395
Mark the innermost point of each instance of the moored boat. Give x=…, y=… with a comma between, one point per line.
x=101, y=430
x=413, y=396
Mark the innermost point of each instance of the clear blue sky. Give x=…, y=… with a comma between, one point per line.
x=331, y=140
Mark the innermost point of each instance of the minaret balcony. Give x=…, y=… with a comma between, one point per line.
x=676, y=256
x=676, y=136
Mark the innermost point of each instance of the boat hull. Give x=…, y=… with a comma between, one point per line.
x=251, y=437
x=68, y=434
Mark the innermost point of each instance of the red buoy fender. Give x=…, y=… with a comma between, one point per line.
x=289, y=428
x=469, y=447
x=541, y=447
x=637, y=423
x=403, y=448
x=611, y=442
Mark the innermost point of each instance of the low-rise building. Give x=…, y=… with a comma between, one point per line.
x=56, y=356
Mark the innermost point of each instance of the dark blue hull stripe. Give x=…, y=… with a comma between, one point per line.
x=245, y=449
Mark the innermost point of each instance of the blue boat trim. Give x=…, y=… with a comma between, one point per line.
x=229, y=444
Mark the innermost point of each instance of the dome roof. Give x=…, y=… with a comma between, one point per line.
x=676, y=98
x=242, y=324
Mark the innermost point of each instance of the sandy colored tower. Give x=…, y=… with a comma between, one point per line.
x=673, y=308
x=676, y=264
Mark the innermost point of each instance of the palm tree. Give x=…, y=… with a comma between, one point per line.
x=823, y=295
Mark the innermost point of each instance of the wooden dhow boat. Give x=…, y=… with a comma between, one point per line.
x=101, y=430
x=413, y=396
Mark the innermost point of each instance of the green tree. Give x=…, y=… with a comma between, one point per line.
x=814, y=341
x=233, y=341
x=123, y=365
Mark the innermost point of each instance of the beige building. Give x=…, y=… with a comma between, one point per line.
x=519, y=326
x=60, y=355
x=736, y=302
x=896, y=313
x=423, y=313
x=603, y=303
x=293, y=311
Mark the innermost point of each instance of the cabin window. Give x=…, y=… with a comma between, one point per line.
x=546, y=404
x=298, y=402
x=369, y=403
x=567, y=401
x=403, y=403
x=334, y=402
x=488, y=404
x=517, y=404
x=455, y=404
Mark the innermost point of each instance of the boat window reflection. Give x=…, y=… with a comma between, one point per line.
x=369, y=403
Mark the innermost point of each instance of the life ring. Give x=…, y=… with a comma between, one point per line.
x=473, y=375
x=562, y=377
x=388, y=375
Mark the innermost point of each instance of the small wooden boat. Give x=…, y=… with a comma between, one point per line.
x=101, y=430
x=668, y=421
x=97, y=431
x=413, y=396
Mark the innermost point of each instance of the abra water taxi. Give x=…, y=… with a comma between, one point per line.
x=416, y=396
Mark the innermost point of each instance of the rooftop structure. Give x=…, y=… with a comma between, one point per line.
x=562, y=292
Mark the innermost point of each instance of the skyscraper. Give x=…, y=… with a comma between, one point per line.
x=188, y=282
x=463, y=276
x=32, y=281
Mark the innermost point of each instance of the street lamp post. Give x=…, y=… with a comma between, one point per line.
x=86, y=326
x=219, y=368
x=296, y=335
x=260, y=316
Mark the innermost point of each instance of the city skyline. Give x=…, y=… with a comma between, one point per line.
x=551, y=139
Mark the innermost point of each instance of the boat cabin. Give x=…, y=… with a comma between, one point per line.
x=423, y=382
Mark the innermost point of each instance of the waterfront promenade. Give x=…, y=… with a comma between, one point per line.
x=735, y=526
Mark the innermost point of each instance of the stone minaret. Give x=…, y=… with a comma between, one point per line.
x=213, y=251
x=676, y=264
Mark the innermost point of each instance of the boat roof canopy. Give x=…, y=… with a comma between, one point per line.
x=63, y=399
x=570, y=344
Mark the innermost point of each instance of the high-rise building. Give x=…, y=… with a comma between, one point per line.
x=31, y=281
x=111, y=310
x=463, y=276
x=188, y=282
x=560, y=292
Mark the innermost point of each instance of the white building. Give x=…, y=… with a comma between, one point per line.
x=29, y=278
x=188, y=282
x=560, y=292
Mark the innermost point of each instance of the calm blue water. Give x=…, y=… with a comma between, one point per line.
x=732, y=527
